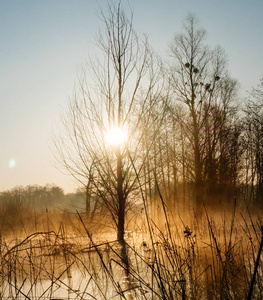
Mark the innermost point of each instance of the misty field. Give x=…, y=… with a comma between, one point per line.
x=63, y=255
x=169, y=162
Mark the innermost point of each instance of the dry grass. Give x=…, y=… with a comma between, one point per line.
x=178, y=258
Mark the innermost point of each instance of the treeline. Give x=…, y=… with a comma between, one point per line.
x=192, y=140
x=207, y=148
x=206, y=142
x=40, y=199
x=28, y=209
x=205, y=145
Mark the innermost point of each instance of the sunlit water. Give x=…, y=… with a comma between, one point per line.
x=56, y=266
x=38, y=270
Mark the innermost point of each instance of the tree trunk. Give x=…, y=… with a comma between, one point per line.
x=88, y=200
x=121, y=198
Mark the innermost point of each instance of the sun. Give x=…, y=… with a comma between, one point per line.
x=116, y=136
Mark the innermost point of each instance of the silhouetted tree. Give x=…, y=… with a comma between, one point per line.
x=119, y=94
x=200, y=83
x=253, y=145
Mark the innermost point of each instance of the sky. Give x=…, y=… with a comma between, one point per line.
x=44, y=45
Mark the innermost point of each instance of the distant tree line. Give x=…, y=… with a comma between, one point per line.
x=32, y=196
x=41, y=199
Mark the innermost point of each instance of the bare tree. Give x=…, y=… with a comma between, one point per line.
x=253, y=145
x=200, y=83
x=118, y=96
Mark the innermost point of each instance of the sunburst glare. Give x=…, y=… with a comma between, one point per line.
x=116, y=136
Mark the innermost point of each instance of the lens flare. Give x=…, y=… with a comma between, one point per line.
x=12, y=163
x=116, y=136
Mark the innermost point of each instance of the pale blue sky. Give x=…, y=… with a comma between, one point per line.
x=43, y=44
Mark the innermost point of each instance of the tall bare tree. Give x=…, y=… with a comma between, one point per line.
x=253, y=146
x=118, y=95
x=200, y=83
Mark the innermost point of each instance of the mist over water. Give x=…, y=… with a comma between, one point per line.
x=175, y=256
x=170, y=172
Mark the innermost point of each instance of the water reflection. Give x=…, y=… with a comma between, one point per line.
x=50, y=267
